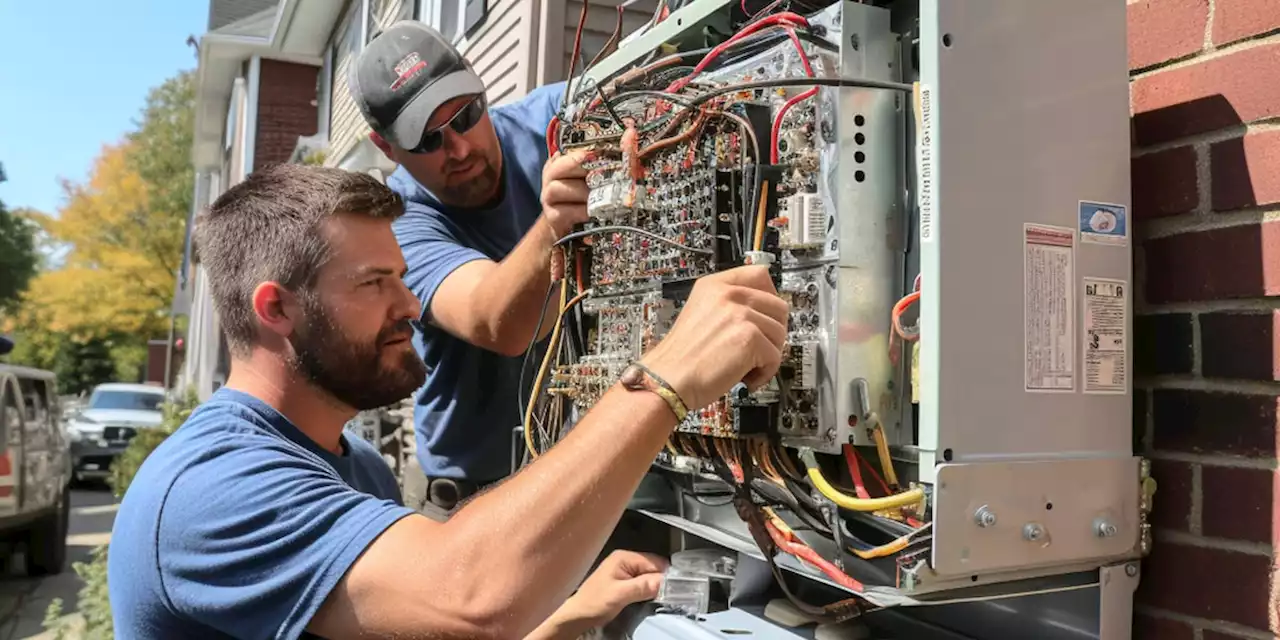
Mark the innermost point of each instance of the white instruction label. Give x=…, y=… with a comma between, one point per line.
x=924, y=163
x=1105, y=335
x=1048, y=298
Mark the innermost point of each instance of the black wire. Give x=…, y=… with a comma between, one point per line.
x=528, y=353
x=629, y=229
x=799, y=82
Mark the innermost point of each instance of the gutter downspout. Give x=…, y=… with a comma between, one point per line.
x=251, y=114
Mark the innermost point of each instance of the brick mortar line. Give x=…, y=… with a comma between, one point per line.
x=1233, y=132
x=1197, y=359
x=1178, y=225
x=1238, y=305
x=1205, y=56
x=1256, y=549
x=1230, y=462
x=1206, y=45
x=1149, y=426
x=1204, y=624
x=1182, y=382
x=1195, y=515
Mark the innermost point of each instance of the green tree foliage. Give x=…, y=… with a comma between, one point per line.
x=93, y=601
x=18, y=256
x=123, y=232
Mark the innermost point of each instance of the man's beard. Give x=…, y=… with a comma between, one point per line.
x=472, y=192
x=350, y=371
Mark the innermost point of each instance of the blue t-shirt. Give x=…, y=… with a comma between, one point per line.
x=239, y=526
x=465, y=412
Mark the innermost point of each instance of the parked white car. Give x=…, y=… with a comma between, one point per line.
x=103, y=428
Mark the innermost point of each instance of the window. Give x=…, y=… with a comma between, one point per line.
x=126, y=400
x=35, y=399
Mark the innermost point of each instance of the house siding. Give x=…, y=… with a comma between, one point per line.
x=602, y=18
x=501, y=50
x=346, y=125
x=286, y=110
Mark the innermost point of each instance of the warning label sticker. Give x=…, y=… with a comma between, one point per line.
x=924, y=163
x=1105, y=335
x=1048, y=298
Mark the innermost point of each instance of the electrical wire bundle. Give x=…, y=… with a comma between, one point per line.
x=651, y=122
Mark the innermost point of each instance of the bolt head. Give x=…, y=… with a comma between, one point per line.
x=1131, y=570
x=984, y=517
x=1032, y=532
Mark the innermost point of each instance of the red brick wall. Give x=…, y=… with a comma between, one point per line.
x=1206, y=200
x=286, y=110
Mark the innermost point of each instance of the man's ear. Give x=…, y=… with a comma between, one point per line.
x=382, y=145
x=275, y=308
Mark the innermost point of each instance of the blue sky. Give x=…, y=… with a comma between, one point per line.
x=74, y=77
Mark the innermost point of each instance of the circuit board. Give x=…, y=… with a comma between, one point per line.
x=677, y=193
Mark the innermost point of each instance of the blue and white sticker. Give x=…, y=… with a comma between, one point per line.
x=1104, y=223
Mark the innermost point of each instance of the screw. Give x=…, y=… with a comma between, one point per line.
x=1032, y=532
x=985, y=517
x=1131, y=570
x=1105, y=529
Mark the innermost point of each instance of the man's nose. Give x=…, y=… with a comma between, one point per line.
x=411, y=306
x=455, y=144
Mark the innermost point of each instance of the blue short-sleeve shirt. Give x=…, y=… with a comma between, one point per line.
x=465, y=413
x=239, y=526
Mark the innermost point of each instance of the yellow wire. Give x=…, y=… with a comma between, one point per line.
x=890, y=548
x=552, y=347
x=882, y=450
x=845, y=501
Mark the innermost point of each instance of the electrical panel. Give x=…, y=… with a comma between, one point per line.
x=940, y=191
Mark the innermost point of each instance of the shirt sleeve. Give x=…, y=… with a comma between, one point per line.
x=252, y=541
x=432, y=251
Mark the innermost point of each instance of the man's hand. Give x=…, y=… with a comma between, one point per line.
x=731, y=330
x=564, y=192
x=625, y=577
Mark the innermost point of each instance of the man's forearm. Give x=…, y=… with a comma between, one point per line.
x=535, y=536
x=511, y=297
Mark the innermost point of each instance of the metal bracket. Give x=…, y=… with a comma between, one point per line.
x=1117, y=583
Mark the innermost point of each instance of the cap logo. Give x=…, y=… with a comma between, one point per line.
x=406, y=69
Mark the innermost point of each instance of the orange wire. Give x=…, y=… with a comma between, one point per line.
x=807, y=554
x=898, y=310
x=764, y=199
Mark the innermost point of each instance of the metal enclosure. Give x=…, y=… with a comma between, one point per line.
x=1019, y=195
x=1025, y=320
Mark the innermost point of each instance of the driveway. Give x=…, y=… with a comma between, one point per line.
x=23, y=600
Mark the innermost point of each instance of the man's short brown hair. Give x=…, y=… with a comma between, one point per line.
x=268, y=229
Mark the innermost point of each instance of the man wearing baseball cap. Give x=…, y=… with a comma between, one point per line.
x=483, y=209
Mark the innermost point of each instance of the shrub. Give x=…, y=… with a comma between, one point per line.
x=94, y=604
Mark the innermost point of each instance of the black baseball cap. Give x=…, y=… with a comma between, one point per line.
x=403, y=75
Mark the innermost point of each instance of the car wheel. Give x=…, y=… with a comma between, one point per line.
x=47, y=540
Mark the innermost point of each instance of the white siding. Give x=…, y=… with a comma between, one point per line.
x=501, y=49
x=346, y=125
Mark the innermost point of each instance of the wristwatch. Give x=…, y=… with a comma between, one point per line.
x=638, y=377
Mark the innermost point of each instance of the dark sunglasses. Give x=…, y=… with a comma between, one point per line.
x=462, y=121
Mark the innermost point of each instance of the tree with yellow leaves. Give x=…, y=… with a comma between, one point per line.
x=123, y=233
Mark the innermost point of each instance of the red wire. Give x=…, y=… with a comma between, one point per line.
x=858, y=486
x=875, y=474
x=806, y=553
x=777, y=122
x=553, y=133
x=786, y=18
